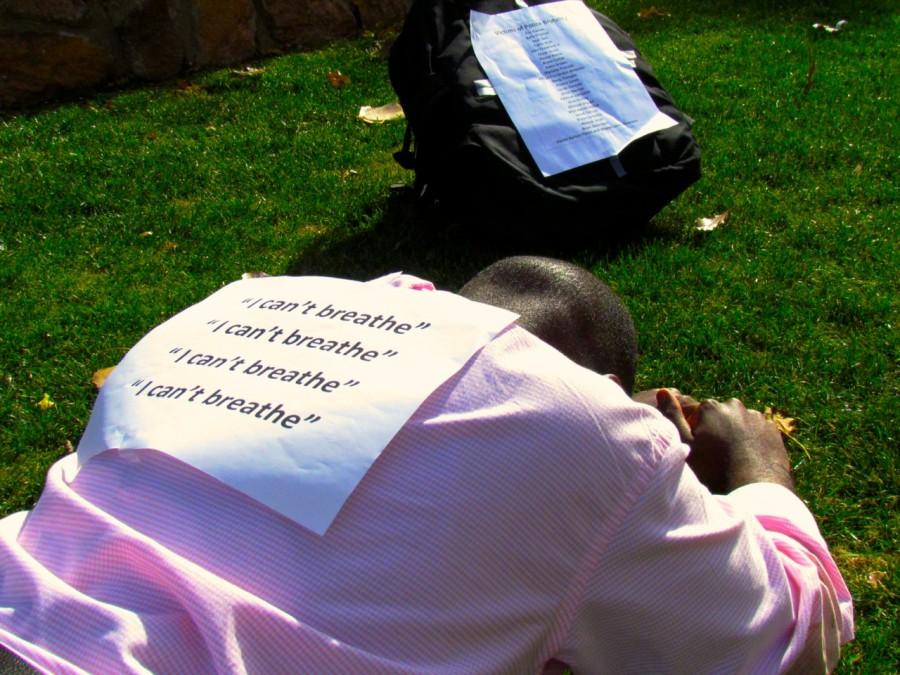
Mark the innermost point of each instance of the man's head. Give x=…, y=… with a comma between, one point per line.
x=567, y=307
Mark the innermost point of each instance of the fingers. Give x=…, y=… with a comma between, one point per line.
x=647, y=397
x=685, y=400
x=691, y=409
x=669, y=405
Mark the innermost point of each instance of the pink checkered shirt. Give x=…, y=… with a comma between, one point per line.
x=528, y=511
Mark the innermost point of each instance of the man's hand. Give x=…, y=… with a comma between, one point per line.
x=730, y=445
x=681, y=409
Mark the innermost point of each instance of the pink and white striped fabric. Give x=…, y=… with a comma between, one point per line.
x=529, y=510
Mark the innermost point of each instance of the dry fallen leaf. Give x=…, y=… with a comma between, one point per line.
x=46, y=402
x=100, y=376
x=875, y=579
x=338, y=79
x=858, y=169
x=709, y=224
x=381, y=114
x=169, y=246
x=651, y=12
x=786, y=425
x=147, y=233
x=830, y=29
x=69, y=447
x=248, y=71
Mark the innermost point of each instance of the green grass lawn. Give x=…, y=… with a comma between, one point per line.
x=120, y=210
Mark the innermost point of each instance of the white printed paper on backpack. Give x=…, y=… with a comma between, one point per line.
x=571, y=94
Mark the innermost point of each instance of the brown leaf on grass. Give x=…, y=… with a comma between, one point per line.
x=652, y=12
x=99, y=377
x=864, y=568
x=875, y=579
x=857, y=170
x=248, y=71
x=786, y=425
x=147, y=233
x=830, y=29
x=46, y=402
x=710, y=224
x=381, y=114
x=69, y=447
x=338, y=79
x=169, y=246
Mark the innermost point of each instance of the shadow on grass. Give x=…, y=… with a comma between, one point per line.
x=399, y=235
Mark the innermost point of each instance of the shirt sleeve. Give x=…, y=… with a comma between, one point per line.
x=697, y=583
x=825, y=619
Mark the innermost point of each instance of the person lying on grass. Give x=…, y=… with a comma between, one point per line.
x=529, y=516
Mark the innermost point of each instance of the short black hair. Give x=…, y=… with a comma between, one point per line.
x=566, y=306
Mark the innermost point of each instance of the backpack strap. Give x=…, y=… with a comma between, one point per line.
x=405, y=157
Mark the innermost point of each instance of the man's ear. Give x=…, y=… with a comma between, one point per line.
x=615, y=378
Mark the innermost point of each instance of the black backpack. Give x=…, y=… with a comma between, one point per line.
x=472, y=163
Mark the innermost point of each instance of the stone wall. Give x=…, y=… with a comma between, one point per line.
x=51, y=48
